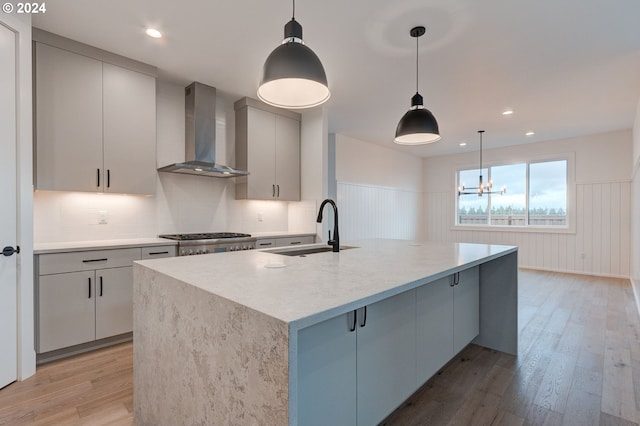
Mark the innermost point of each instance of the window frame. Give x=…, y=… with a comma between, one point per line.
x=570, y=226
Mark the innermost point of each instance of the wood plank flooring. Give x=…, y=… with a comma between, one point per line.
x=578, y=364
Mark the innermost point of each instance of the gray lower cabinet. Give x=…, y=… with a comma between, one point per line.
x=359, y=377
x=66, y=315
x=114, y=302
x=350, y=376
x=327, y=373
x=447, y=317
x=386, y=357
x=79, y=307
x=87, y=295
x=284, y=241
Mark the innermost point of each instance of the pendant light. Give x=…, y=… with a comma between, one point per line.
x=482, y=188
x=293, y=76
x=418, y=126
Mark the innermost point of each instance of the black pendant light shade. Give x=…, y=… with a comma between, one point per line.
x=418, y=126
x=293, y=76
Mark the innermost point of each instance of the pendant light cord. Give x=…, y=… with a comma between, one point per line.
x=294, y=10
x=480, y=152
x=416, y=63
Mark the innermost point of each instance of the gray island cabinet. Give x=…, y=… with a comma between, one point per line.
x=255, y=338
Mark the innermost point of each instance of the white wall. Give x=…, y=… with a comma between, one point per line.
x=635, y=208
x=379, y=191
x=600, y=242
x=182, y=203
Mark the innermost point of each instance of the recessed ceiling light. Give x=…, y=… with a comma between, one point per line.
x=152, y=32
x=463, y=144
x=530, y=133
x=507, y=112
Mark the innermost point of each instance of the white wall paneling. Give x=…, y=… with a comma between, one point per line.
x=600, y=245
x=635, y=207
x=368, y=211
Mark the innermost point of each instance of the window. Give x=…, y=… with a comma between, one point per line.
x=536, y=195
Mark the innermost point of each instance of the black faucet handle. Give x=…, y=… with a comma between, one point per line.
x=331, y=242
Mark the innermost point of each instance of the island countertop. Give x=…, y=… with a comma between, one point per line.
x=302, y=291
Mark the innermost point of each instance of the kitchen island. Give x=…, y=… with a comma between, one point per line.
x=259, y=338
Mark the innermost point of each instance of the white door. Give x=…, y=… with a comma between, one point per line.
x=8, y=229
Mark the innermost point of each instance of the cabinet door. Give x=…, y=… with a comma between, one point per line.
x=114, y=301
x=287, y=159
x=129, y=131
x=261, y=154
x=466, y=305
x=434, y=334
x=66, y=310
x=327, y=373
x=386, y=356
x=68, y=120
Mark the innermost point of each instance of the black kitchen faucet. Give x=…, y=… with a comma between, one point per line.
x=336, y=236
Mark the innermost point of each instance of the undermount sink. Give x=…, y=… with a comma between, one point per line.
x=303, y=251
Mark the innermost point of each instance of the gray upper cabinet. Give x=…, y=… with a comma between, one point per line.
x=129, y=116
x=95, y=121
x=268, y=146
x=68, y=120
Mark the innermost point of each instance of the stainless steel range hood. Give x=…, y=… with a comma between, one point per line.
x=200, y=136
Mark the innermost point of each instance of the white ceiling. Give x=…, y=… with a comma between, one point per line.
x=567, y=68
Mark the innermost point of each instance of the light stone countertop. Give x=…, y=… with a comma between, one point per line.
x=311, y=289
x=72, y=246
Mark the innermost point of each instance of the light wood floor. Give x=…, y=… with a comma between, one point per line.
x=578, y=364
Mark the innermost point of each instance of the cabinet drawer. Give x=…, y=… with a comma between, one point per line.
x=292, y=241
x=266, y=243
x=57, y=263
x=158, y=251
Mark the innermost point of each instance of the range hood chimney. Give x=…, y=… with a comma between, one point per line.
x=200, y=136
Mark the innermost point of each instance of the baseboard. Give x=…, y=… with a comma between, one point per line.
x=567, y=271
x=57, y=354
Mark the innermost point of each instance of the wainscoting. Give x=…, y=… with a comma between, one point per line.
x=368, y=211
x=600, y=244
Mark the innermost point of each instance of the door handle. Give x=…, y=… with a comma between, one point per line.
x=278, y=186
x=364, y=320
x=456, y=278
x=8, y=250
x=100, y=286
x=108, y=178
x=273, y=190
x=89, y=288
x=355, y=320
x=98, y=175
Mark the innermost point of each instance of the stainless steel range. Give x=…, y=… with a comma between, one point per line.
x=214, y=242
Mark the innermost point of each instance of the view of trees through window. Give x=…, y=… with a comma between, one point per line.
x=536, y=195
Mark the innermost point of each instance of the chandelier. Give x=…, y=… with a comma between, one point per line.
x=482, y=188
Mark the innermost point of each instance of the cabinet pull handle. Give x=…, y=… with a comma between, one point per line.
x=278, y=186
x=456, y=278
x=266, y=244
x=98, y=174
x=293, y=243
x=100, y=286
x=89, y=288
x=364, y=321
x=108, y=178
x=273, y=190
x=158, y=252
x=95, y=260
x=355, y=319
